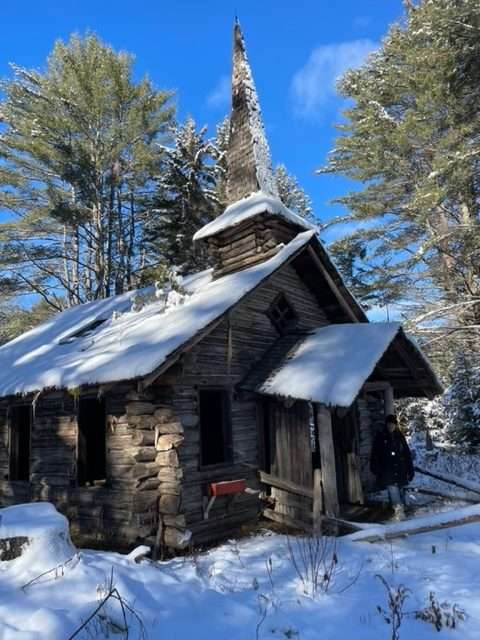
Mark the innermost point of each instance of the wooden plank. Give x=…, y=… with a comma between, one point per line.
x=375, y=386
x=457, y=482
x=355, y=491
x=283, y=518
x=286, y=485
x=317, y=500
x=327, y=460
x=175, y=355
x=389, y=401
x=395, y=532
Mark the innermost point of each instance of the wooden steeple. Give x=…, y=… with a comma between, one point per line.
x=255, y=222
x=248, y=160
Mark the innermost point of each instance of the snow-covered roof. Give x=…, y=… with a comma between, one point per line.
x=255, y=204
x=128, y=344
x=331, y=364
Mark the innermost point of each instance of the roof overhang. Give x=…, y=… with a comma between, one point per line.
x=331, y=365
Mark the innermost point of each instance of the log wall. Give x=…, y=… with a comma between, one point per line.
x=254, y=241
x=124, y=508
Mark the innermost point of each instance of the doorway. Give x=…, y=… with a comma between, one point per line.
x=288, y=457
x=347, y=459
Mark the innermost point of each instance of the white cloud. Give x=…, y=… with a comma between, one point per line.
x=313, y=86
x=220, y=95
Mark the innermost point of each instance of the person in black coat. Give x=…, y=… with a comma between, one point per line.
x=391, y=463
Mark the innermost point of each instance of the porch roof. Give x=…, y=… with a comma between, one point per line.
x=331, y=364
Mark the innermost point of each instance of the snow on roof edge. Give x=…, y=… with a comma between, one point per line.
x=284, y=378
x=253, y=205
x=424, y=357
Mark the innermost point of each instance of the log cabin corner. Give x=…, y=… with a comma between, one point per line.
x=162, y=421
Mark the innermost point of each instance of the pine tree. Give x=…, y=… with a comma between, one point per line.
x=220, y=154
x=454, y=418
x=411, y=138
x=292, y=194
x=77, y=149
x=462, y=401
x=185, y=200
x=16, y=319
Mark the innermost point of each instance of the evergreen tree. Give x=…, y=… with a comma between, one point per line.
x=220, y=154
x=77, y=149
x=462, y=401
x=291, y=193
x=185, y=200
x=411, y=137
x=15, y=319
x=453, y=418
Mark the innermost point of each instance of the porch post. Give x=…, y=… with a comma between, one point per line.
x=389, y=402
x=327, y=460
x=317, y=500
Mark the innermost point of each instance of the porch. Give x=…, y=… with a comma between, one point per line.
x=321, y=399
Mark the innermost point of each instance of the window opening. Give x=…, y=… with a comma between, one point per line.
x=91, y=463
x=20, y=427
x=282, y=314
x=215, y=426
x=84, y=332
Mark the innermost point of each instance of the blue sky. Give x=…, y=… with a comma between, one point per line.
x=296, y=49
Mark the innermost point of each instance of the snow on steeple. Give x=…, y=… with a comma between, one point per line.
x=249, y=162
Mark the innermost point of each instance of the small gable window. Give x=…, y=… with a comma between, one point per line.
x=20, y=427
x=91, y=457
x=215, y=426
x=282, y=314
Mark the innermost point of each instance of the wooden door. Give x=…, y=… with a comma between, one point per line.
x=290, y=457
x=347, y=460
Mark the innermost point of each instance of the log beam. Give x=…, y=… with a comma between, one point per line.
x=327, y=460
x=285, y=485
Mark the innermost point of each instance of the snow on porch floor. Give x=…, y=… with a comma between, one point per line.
x=224, y=593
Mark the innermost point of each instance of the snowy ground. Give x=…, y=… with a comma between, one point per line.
x=242, y=590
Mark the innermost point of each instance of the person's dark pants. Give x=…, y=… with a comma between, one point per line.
x=396, y=495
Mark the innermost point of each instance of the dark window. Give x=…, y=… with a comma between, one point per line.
x=282, y=314
x=91, y=462
x=215, y=427
x=19, y=438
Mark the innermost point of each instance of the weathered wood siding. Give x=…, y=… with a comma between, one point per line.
x=251, y=242
x=246, y=335
x=291, y=457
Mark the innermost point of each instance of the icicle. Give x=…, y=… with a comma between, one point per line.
x=34, y=403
